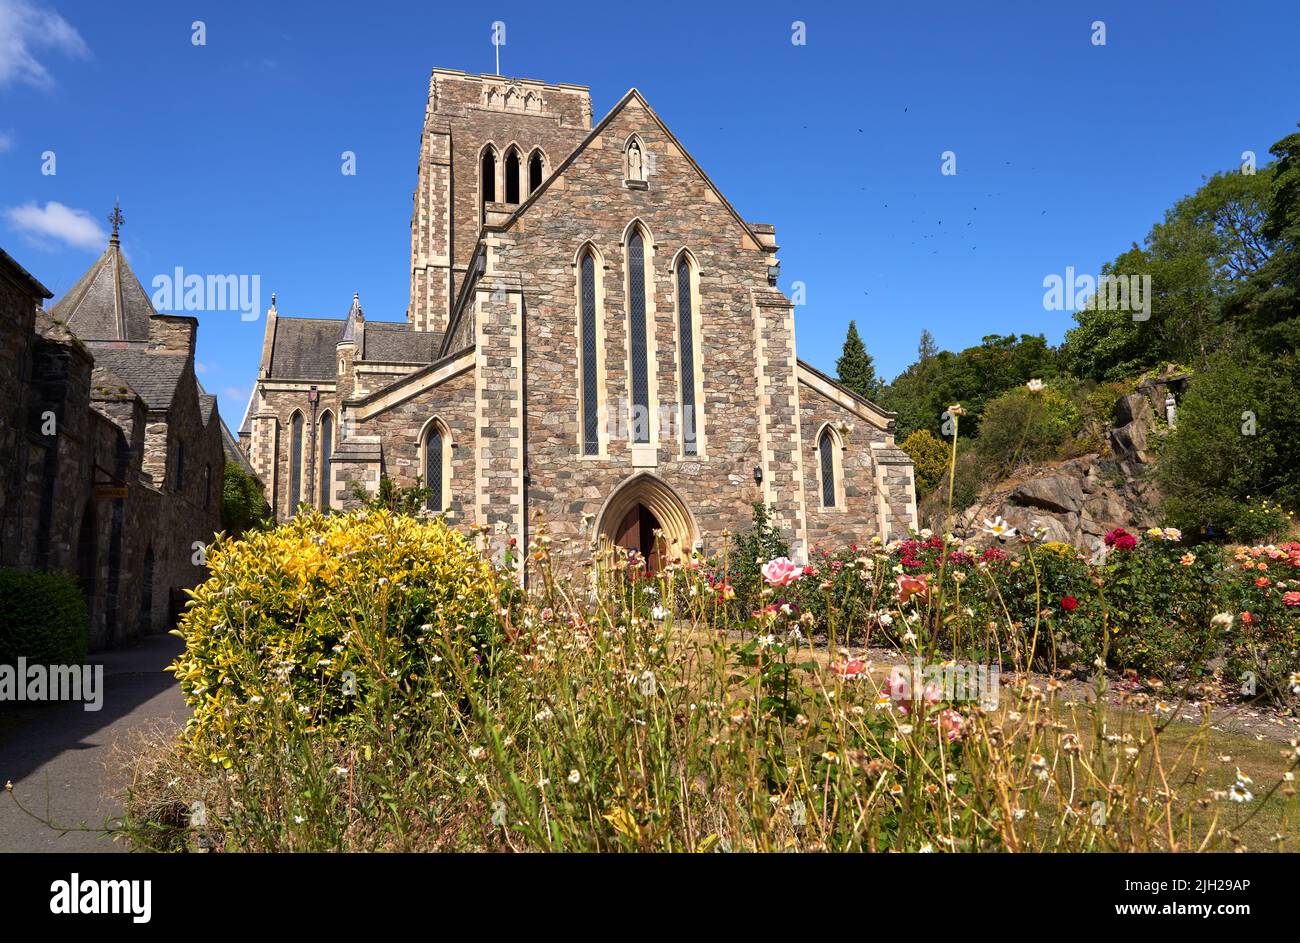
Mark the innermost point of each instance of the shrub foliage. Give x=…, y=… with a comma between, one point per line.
x=43, y=618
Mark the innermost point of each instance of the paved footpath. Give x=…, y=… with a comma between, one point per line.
x=58, y=752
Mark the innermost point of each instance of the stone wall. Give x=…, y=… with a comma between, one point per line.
x=82, y=500
x=400, y=429
x=856, y=518
x=19, y=300
x=589, y=203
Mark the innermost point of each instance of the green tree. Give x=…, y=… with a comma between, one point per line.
x=409, y=501
x=855, y=368
x=243, y=505
x=1234, y=440
x=1269, y=303
x=930, y=457
x=926, y=348
x=1210, y=245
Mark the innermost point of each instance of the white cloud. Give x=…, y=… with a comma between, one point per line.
x=26, y=29
x=200, y=367
x=56, y=222
x=6, y=142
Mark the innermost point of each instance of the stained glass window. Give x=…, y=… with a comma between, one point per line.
x=433, y=467
x=295, y=462
x=826, y=446
x=640, y=418
x=590, y=406
x=326, y=448
x=686, y=346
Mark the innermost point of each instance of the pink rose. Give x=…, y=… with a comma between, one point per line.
x=950, y=723
x=1291, y=599
x=909, y=586
x=851, y=670
x=781, y=572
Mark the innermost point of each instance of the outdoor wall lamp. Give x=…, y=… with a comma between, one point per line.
x=758, y=474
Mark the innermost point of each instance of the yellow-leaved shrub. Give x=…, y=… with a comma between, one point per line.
x=295, y=624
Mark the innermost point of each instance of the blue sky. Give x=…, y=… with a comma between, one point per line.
x=227, y=156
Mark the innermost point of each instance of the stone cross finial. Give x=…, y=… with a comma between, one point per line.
x=116, y=219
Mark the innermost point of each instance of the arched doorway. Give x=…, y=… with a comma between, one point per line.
x=642, y=507
x=637, y=532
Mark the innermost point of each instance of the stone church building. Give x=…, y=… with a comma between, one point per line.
x=112, y=455
x=594, y=337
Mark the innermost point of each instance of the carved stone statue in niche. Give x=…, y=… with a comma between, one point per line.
x=634, y=162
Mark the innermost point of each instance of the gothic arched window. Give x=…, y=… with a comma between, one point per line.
x=512, y=175
x=587, y=333
x=689, y=367
x=295, y=462
x=437, y=459
x=535, y=170
x=828, y=449
x=326, y=449
x=487, y=175
x=638, y=346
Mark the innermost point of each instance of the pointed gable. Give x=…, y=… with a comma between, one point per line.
x=107, y=303
x=634, y=99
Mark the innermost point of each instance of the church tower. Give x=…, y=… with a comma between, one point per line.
x=488, y=142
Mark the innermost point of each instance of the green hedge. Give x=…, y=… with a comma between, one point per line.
x=43, y=618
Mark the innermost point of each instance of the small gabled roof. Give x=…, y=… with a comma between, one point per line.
x=155, y=376
x=107, y=303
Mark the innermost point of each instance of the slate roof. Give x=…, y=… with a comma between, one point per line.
x=108, y=302
x=233, y=452
x=154, y=376
x=395, y=342
x=10, y=268
x=206, y=402
x=303, y=348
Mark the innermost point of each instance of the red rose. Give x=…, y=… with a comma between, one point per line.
x=1120, y=539
x=1069, y=603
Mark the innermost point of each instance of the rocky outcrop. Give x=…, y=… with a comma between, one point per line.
x=1076, y=502
x=1080, y=500
x=1133, y=418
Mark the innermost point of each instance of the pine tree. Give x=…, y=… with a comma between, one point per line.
x=855, y=367
x=927, y=348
